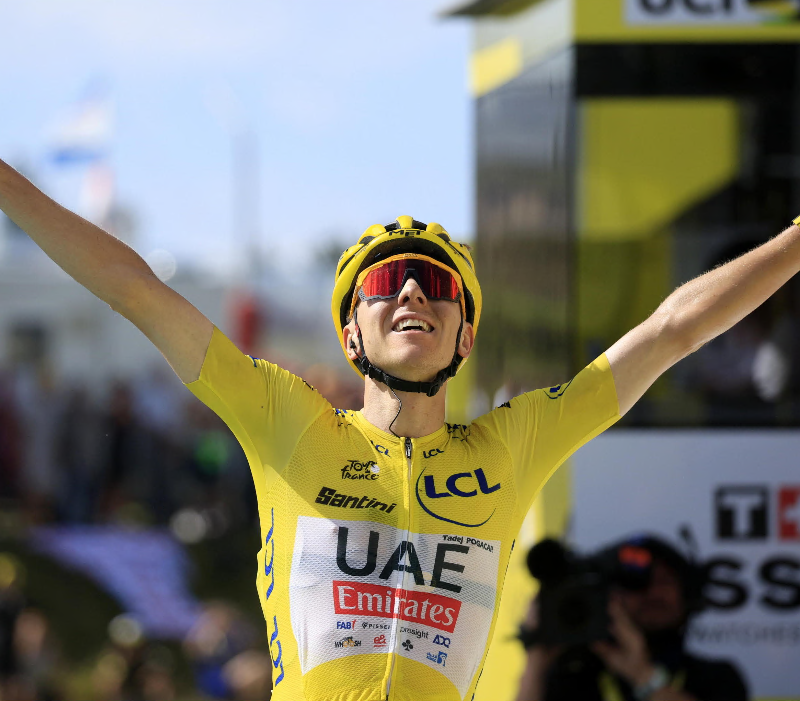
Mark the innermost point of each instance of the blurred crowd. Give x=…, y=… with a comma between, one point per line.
x=135, y=449
x=220, y=656
x=140, y=452
x=139, y=449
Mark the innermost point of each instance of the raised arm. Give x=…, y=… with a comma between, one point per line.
x=112, y=271
x=698, y=311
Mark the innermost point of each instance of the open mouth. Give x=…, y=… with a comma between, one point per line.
x=412, y=325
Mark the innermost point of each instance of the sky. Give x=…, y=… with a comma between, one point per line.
x=360, y=110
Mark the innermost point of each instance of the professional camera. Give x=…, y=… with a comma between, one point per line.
x=573, y=599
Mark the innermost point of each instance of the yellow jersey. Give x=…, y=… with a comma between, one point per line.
x=383, y=558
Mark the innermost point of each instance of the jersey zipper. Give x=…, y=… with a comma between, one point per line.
x=408, y=451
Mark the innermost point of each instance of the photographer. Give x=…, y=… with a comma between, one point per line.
x=642, y=592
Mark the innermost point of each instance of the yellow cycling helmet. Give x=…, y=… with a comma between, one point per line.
x=405, y=235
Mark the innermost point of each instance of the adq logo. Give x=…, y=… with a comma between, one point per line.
x=463, y=485
x=441, y=640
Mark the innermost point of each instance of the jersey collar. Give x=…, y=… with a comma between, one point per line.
x=390, y=439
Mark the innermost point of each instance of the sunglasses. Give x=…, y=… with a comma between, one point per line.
x=384, y=280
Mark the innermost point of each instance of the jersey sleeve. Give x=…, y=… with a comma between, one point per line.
x=267, y=408
x=541, y=429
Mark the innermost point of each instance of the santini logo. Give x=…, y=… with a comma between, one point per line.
x=330, y=497
x=460, y=484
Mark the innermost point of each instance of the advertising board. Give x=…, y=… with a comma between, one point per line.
x=738, y=494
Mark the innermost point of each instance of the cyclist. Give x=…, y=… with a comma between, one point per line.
x=386, y=532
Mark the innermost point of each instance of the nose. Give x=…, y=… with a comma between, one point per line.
x=411, y=292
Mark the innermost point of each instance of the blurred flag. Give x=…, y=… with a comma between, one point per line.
x=82, y=134
x=145, y=571
x=97, y=193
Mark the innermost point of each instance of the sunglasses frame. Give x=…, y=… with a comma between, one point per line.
x=406, y=256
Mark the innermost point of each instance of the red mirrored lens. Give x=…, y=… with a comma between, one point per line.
x=387, y=281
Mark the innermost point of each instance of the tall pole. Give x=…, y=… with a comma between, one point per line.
x=246, y=176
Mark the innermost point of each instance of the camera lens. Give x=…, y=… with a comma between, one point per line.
x=574, y=610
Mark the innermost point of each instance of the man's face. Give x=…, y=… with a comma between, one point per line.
x=660, y=606
x=410, y=336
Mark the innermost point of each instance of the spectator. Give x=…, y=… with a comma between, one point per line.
x=123, y=442
x=131, y=668
x=38, y=398
x=79, y=448
x=12, y=603
x=220, y=648
x=11, y=438
x=36, y=658
x=645, y=660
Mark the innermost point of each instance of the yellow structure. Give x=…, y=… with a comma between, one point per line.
x=623, y=146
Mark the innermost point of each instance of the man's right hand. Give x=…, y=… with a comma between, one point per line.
x=628, y=657
x=112, y=271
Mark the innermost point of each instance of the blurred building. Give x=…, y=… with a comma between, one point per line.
x=622, y=148
x=50, y=322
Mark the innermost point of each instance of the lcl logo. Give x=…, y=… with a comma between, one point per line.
x=460, y=484
x=700, y=7
x=687, y=11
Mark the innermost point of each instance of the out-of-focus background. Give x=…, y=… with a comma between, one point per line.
x=595, y=153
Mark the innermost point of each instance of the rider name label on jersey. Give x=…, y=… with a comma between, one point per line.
x=384, y=576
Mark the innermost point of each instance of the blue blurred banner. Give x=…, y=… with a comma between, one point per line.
x=144, y=570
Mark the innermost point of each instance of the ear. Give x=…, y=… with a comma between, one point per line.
x=351, y=343
x=467, y=340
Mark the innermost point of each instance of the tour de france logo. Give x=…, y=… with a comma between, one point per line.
x=358, y=470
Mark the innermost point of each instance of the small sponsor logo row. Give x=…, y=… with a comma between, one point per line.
x=380, y=641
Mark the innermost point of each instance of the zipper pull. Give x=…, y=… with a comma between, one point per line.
x=408, y=448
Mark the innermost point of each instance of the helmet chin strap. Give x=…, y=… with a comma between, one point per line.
x=430, y=388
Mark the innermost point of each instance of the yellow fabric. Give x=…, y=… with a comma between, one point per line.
x=380, y=574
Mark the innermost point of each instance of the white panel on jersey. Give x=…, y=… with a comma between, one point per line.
x=354, y=589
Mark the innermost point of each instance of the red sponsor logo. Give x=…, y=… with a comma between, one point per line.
x=379, y=641
x=789, y=513
x=434, y=610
